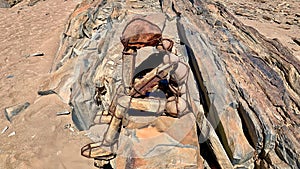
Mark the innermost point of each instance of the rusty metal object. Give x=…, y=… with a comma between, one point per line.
x=132, y=94
x=94, y=150
x=140, y=33
x=149, y=81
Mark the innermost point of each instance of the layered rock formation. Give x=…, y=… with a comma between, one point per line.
x=244, y=87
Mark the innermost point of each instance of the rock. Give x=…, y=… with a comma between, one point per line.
x=267, y=17
x=67, y=126
x=12, y=134
x=277, y=20
x=63, y=113
x=286, y=27
x=14, y=2
x=296, y=40
x=137, y=6
x=10, y=76
x=4, y=4
x=146, y=147
x=35, y=54
x=255, y=110
x=289, y=22
x=4, y=130
x=10, y=112
x=32, y=2
x=10, y=2
x=46, y=92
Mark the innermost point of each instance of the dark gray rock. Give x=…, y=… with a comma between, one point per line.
x=4, y=4
x=12, y=111
x=296, y=40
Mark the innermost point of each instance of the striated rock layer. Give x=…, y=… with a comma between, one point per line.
x=248, y=86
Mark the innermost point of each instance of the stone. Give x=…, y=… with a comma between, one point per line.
x=10, y=76
x=4, y=4
x=146, y=147
x=289, y=22
x=12, y=134
x=296, y=40
x=267, y=17
x=277, y=20
x=8, y=3
x=36, y=54
x=63, y=113
x=286, y=27
x=223, y=69
x=4, y=130
x=46, y=92
x=12, y=111
x=32, y=2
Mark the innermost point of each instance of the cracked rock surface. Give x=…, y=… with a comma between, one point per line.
x=244, y=86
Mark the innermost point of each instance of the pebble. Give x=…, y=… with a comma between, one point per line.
x=286, y=27
x=278, y=21
x=38, y=54
x=59, y=152
x=137, y=6
x=12, y=134
x=266, y=17
x=67, y=126
x=4, y=4
x=72, y=129
x=9, y=76
x=4, y=130
x=46, y=92
x=63, y=113
x=9, y=112
x=296, y=40
x=289, y=22
x=35, y=54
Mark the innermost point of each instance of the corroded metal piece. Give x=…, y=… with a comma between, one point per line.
x=168, y=77
x=140, y=33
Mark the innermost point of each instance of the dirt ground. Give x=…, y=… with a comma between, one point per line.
x=44, y=140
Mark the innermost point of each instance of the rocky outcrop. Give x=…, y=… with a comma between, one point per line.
x=244, y=88
x=4, y=4
x=251, y=83
x=279, y=12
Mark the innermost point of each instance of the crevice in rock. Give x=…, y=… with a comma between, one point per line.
x=221, y=134
x=207, y=153
x=246, y=125
x=107, y=166
x=204, y=99
x=206, y=103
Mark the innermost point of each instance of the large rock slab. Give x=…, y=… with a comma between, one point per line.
x=244, y=88
x=249, y=83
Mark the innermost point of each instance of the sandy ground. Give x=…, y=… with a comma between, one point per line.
x=43, y=140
